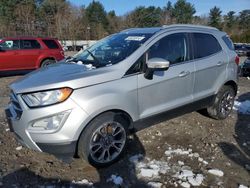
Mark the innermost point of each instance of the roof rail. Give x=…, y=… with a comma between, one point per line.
x=190, y=25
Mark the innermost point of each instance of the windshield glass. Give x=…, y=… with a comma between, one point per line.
x=111, y=50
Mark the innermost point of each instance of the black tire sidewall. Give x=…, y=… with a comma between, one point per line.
x=86, y=135
x=47, y=62
x=223, y=90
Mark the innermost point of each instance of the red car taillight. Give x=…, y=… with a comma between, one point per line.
x=62, y=52
x=237, y=60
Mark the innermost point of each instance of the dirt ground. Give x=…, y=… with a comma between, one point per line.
x=209, y=144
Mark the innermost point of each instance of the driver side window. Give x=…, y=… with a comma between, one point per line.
x=10, y=45
x=172, y=48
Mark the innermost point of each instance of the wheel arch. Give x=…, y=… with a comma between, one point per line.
x=233, y=84
x=46, y=58
x=121, y=112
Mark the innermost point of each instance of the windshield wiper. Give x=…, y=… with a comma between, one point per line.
x=95, y=58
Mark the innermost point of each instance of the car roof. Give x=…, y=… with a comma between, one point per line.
x=153, y=30
x=28, y=37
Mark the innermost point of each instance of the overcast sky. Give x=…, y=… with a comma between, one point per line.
x=202, y=6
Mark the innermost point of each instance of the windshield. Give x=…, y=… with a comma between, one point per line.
x=112, y=49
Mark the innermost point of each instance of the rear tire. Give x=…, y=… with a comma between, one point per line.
x=47, y=62
x=104, y=139
x=223, y=103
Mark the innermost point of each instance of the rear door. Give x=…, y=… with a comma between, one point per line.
x=10, y=55
x=30, y=52
x=172, y=88
x=54, y=49
x=210, y=64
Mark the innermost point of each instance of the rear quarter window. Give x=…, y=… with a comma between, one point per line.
x=205, y=45
x=51, y=44
x=228, y=42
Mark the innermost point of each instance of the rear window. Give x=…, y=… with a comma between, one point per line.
x=228, y=42
x=205, y=45
x=30, y=44
x=51, y=44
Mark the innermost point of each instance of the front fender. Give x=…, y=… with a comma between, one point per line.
x=120, y=95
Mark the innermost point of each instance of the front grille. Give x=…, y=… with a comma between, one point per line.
x=16, y=106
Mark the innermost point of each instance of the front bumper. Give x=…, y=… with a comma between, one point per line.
x=61, y=142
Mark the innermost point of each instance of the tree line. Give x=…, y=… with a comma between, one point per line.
x=61, y=19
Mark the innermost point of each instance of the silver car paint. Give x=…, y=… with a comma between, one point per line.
x=108, y=88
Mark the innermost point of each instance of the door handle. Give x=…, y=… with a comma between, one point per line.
x=184, y=73
x=219, y=63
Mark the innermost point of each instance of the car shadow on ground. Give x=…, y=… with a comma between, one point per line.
x=24, y=177
x=240, y=153
x=14, y=73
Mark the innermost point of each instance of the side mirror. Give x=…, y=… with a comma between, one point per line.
x=155, y=64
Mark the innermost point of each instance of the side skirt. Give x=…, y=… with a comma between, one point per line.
x=155, y=119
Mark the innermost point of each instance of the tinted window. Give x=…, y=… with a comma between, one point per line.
x=172, y=48
x=10, y=45
x=51, y=44
x=30, y=44
x=228, y=42
x=205, y=45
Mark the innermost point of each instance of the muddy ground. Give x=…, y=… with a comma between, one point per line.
x=211, y=144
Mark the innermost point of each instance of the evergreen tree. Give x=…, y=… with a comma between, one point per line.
x=183, y=12
x=215, y=17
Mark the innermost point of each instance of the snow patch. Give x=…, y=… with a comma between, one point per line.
x=196, y=180
x=152, y=168
x=117, y=180
x=216, y=172
x=136, y=158
x=242, y=107
x=177, y=152
x=155, y=184
x=187, y=177
x=185, y=184
x=242, y=186
x=83, y=182
x=19, y=148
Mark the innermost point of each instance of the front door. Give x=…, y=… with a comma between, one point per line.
x=9, y=55
x=172, y=88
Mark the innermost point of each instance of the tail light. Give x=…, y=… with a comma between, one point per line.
x=62, y=52
x=237, y=60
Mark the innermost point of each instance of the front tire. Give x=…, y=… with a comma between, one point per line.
x=223, y=103
x=104, y=139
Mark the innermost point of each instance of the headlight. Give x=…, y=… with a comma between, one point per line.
x=45, y=98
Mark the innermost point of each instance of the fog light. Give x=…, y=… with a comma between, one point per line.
x=49, y=124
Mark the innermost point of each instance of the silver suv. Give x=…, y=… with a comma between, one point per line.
x=87, y=105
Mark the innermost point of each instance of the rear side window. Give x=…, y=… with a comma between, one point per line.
x=205, y=45
x=172, y=48
x=51, y=44
x=30, y=44
x=228, y=42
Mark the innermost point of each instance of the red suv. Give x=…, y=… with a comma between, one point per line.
x=27, y=53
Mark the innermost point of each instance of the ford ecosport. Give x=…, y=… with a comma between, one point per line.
x=88, y=104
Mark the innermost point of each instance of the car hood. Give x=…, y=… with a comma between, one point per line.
x=65, y=75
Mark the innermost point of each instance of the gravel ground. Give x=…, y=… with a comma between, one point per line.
x=190, y=150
